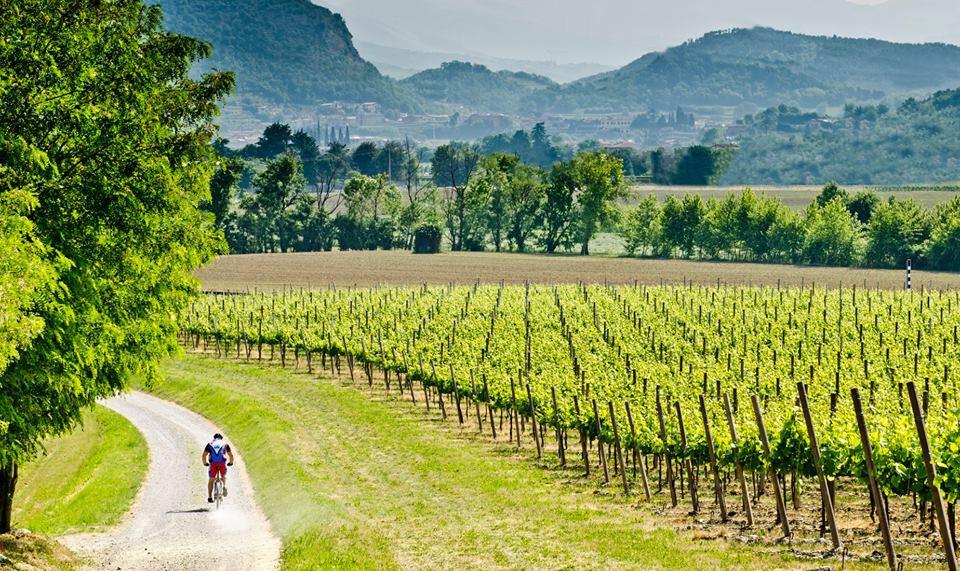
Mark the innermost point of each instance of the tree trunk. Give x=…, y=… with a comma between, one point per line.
x=585, y=248
x=8, y=484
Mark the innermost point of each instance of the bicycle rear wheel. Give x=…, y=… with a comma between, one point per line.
x=218, y=492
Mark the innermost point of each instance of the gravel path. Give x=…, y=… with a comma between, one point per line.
x=171, y=525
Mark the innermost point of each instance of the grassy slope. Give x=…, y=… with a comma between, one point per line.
x=350, y=481
x=87, y=480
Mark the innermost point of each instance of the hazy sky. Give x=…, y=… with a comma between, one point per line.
x=618, y=31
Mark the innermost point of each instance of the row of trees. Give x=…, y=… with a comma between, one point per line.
x=474, y=200
x=835, y=229
x=104, y=158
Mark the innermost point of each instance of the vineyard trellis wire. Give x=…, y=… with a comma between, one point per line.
x=697, y=382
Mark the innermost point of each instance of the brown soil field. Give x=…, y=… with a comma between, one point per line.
x=321, y=269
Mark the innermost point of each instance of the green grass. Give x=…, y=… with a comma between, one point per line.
x=35, y=551
x=86, y=481
x=353, y=480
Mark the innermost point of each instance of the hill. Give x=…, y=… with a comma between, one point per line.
x=401, y=63
x=762, y=67
x=915, y=143
x=286, y=53
x=476, y=87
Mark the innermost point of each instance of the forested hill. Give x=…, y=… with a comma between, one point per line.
x=476, y=87
x=917, y=142
x=284, y=52
x=763, y=67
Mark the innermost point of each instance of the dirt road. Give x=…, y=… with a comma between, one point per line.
x=171, y=525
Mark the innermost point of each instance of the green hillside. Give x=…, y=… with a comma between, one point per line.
x=476, y=87
x=917, y=142
x=763, y=67
x=285, y=52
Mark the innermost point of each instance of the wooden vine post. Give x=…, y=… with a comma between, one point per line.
x=747, y=508
x=815, y=450
x=533, y=423
x=666, y=455
x=618, y=449
x=717, y=487
x=603, y=458
x=872, y=480
x=637, y=457
x=692, y=484
x=945, y=537
x=777, y=491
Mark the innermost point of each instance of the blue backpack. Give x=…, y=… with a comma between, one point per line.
x=218, y=454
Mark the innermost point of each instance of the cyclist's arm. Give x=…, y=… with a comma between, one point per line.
x=230, y=455
x=206, y=454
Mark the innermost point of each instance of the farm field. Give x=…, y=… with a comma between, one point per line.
x=321, y=269
x=664, y=364
x=354, y=477
x=795, y=197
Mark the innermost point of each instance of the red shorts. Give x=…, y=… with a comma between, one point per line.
x=218, y=468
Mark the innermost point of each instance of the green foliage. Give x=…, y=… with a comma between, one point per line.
x=427, y=240
x=833, y=235
x=118, y=140
x=639, y=228
x=534, y=148
x=476, y=87
x=292, y=52
x=677, y=342
x=917, y=143
x=895, y=233
x=759, y=67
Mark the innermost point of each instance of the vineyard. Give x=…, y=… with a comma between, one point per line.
x=734, y=401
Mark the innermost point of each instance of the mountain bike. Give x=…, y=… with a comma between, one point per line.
x=218, y=495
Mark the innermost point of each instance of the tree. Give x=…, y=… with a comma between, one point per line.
x=268, y=222
x=97, y=98
x=525, y=197
x=274, y=141
x=452, y=166
x=372, y=207
x=309, y=153
x=332, y=166
x=223, y=186
x=681, y=222
x=599, y=184
x=862, y=205
x=492, y=182
x=364, y=159
x=831, y=191
x=833, y=235
x=559, y=209
x=943, y=246
x=896, y=233
x=695, y=167
x=640, y=229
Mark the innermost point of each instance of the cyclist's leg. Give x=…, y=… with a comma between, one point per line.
x=210, y=486
x=223, y=476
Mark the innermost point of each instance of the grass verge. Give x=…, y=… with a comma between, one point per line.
x=32, y=551
x=87, y=479
x=348, y=480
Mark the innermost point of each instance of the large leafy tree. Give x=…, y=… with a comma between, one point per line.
x=453, y=166
x=118, y=136
x=600, y=183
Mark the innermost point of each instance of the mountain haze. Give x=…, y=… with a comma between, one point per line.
x=763, y=67
x=476, y=87
x=284, y=53
x=615, y=32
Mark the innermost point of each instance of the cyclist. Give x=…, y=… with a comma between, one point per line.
x=217, y=455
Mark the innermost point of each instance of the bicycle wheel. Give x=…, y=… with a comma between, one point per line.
x=218, y=492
